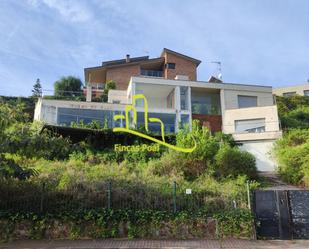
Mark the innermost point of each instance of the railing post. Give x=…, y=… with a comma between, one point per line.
x=109, y=194
x=174, y=197
x=248, y=195
x=42, y=197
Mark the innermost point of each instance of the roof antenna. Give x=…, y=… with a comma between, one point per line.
x=219, y=69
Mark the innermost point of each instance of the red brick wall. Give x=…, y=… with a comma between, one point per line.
x=97, y=76
x=183, y=67
x=122, y=75
x=213, y=122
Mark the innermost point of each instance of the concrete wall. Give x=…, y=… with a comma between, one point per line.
x=270, y=113
x=299, y=89
x=262, y=152
x=118, y=95
x=157, y=96
x=231, y=98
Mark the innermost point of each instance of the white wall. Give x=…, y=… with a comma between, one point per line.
x=231, y=98
x=262, y=152
x=268, y=112
x=46, y=110
x=298, y=89
x=118, y=95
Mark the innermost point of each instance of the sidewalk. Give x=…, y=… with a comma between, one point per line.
x=148, y=244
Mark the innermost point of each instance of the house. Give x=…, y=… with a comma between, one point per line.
x=248, y=112
x=122, y=70
x=302, y=90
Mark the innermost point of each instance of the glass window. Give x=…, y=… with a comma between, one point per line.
x=288, y=94
x=205, y=103
x=250, y=125
x=170, y=99
x=184, y=98
x=247, y=101
x=170, y=65
x=119, y=122
x=306, y=92
x=155, y=127
x=139, y=102
x=68, y=115
x=185, y=119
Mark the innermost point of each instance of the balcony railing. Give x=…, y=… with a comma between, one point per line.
x=152, y=73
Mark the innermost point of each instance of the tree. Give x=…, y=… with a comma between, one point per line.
x=37, y=89
x=68, y=86
x=110, y=85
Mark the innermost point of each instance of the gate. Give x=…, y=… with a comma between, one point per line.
x=281, y=214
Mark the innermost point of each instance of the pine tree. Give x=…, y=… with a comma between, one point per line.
x=37, y=89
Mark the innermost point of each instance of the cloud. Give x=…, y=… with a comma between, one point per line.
x=73, y=11
x=256, y=41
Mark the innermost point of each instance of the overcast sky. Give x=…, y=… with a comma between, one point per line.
x=260, y=42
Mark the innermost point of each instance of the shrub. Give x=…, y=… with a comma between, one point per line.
x=291, y=152
x=10, y=169
x=235, y=223
x=297, y=118
x=25, y=140
x=233, y=162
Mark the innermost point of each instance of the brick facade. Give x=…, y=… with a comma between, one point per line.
x=183, y=67
x=213, y=122
x=97, y=76
x=121, y=72
x=121, y=75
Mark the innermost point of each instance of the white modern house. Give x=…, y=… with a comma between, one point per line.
x=248, y=112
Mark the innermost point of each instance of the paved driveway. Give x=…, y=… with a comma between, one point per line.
x=151, y=244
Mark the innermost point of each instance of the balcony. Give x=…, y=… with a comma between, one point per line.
x=152, y=73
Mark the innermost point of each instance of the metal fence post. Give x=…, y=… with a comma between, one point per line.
x=42, y=197
x=109, y=193
x=174, y=197
x=248, y=195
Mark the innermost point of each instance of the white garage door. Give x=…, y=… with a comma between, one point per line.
x=262, y=152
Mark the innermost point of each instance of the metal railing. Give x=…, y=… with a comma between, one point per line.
x=27, y=197
x=152, y=73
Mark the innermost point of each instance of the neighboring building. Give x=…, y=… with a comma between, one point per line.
x=247, y=112
x=167, y=66
x=287, y=91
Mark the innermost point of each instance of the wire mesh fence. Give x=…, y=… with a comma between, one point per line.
x=27, y=197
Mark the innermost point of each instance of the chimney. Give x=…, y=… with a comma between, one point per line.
x=127, y=58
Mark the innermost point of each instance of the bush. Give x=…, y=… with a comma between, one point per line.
x=233, y=162
x=292, y=152
x=208, y=158
x=25, y=140
x=235, y=223
x=297, y=118
x=10, y=169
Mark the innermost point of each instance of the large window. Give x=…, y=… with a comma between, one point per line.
x=306, y=92
x=205, y=103
x=250, y=125
x=168, y=120
x=184, y=98
x=288, y=94
x=247, y=101
x=152, y=73
x=66, y=116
